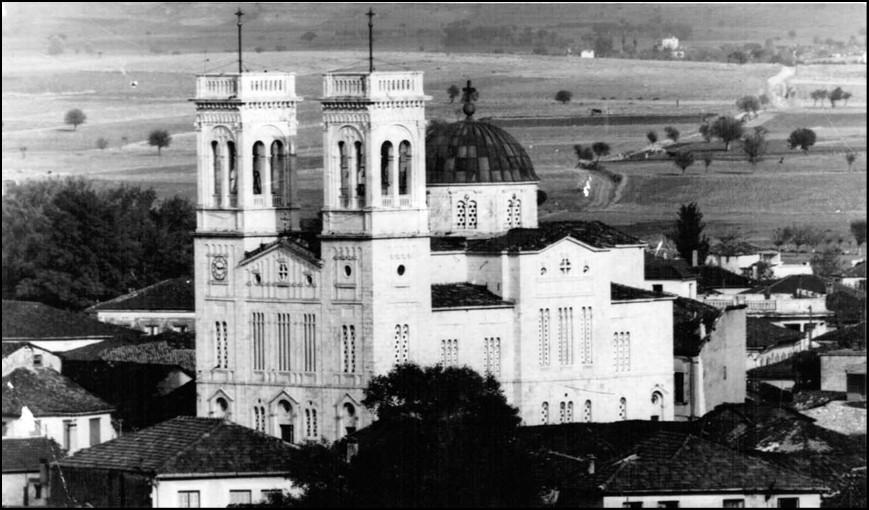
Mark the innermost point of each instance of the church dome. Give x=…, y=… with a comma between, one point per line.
x=473, y=152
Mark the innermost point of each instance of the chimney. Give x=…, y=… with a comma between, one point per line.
x=694, y=258
x=591, y=464
x=352, y=449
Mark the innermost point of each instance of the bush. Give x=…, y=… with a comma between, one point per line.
x=563, y=96
x=102, y=143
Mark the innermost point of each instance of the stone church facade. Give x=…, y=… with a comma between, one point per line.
x=430, y=252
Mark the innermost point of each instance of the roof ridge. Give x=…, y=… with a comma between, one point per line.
x=198, y=440
x=133, y=293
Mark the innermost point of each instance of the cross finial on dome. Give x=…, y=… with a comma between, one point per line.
x=468, y=97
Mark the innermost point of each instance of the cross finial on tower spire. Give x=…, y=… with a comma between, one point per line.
x=469, y=95
x=239, y=13
x=370, y=15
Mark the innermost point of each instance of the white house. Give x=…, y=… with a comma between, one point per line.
x=183, y=462
x=23, y=354
x=670, y=43
x=586, y=54
x=430, y=251
x=25, y=462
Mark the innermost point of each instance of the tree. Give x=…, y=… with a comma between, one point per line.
x=850, y=157
x=727, y=129
x=453, y=91
x=754, y=146
x=805, y=235
x=705, y=131
x=827, y=262
x=748, y=104
x=683, y=160
x=687, y=233
x=102, y=143
x=563, y=96
x=672, y=133
x=583, y=154
x=309, y=37
x=858, y=230
x=600, y=149
x=802, y=138
x=707, y=160
x=845, y=97
x=23, y=150
x=739, y=57
x=764, y=99
x=159, y=138
x=74, y=117
x=818, y=95
x=652, y=136
x=782, y=236
x=836, y=95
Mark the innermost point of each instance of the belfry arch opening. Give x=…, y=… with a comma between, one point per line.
x=386, y=157
x=278, y=173
x=259, y=160
x=404, y=168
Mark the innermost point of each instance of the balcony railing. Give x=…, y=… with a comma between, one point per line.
x=796, y=306
x=377, y=85
x=247, y=86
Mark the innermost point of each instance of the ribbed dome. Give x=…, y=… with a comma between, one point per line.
x=468, y=152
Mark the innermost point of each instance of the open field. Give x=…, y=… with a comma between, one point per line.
x=37, y=90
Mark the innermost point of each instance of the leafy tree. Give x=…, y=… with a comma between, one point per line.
x=845, y=97
x=563, y=96
x=600, y=149
x=740, y=57
x=748, y=104
x=782, y=236
x=705, y=131
x=652, y=136
x=802, y=138
x=764, y=271
x=583, y=154
x=754, y=146
x=69, y=245
x=672, y=133
x=683, y=160
x=707, y=160
x=806, y=235
x=818, y=95
x=687, y=233
x=727, y=129
x=102, y=143
x=858, y=230
x=453, y=91
x=159, y=138
x=836, y=95
x=850, y=157
x=827, y=262
x=309, y=37
x=74, y=117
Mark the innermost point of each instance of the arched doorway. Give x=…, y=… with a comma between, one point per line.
x=657, y=405
x=284, y=421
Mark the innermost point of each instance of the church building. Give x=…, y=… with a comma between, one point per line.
x=430, y=251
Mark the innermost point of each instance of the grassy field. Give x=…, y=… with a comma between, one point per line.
x=816, y=189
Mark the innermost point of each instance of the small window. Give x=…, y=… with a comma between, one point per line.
x=239, y=497
x=348, y=271
x=657, y=287
x=788, y=502
x=733, y=503
x=94, y=424
x=542, y=270
x=257, y=278
x=188, y=499
x=152, y=329
x=180, y=328
x=679, y=387
x=37, y=360
x=565, y=265
x=400, y=270
x=283, y=271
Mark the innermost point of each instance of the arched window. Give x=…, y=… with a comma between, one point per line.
x=221, y=343
x=657, y=405
x=514, y=212
x=311, y=422
x=461, y=215
x=217, y=167
x=570, y=412
x=233, y=171
x=277, y=164
x=562, y=412
x=401, y=341
x=544, y=413
x=472, y=215
x=259, y=417
x=360, y=172
x=404, y=167
x=348, y=348
x=623, y=408
x=386, y=168
x=284, y=420
x=343, y=161
x=221, y=408
x=349, y=418
x=259, y=164
x=586, y=413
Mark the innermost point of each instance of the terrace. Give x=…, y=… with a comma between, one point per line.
x=377, y=85
x=247, y=86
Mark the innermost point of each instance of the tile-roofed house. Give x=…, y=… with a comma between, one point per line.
x=670, y=275
x=688, y=316
x=855, y=276
x=207, y=459
x=849, y=337
x=768, y=343
x=52, y=404
x=718, y=280
x=27, y=355
x=164, y=306
x=464, y=295
x=834, y=365
x=54, y=329
x=23, y=460
x=794, y=285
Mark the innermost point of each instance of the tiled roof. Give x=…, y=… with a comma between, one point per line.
x=167, y=348
x=23, y=455
x=687, y=316
x=173, y=294
x=858, y=271
x=790, y=285
x=305, y=244
x=676, y=462
x=459, y=295
x=187, y=444
x=28, y=320
x=783, y=369
x=714, y=277
x=848, y=304
x=848, y=337
x=667, y=269
x=619, y=292
x=761, y=334
x=48, y=393
x=845, y=352
x=593, y=233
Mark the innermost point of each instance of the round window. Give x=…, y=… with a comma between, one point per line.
x=401, y=270
x=347, y=271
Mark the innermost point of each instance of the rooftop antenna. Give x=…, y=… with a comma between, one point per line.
x=370, y=15
x=239, y=13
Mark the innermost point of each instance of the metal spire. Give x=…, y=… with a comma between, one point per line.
x=239, y=13
x=370, y=15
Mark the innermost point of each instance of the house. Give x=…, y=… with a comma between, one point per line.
x=43, y=403
x=182, y=462
x=670, y=43
x=835, y=365
x=666, y=468
x=742, y=258
x=23, y=354
x=855, y=276
x=165, y=306
x=767, y=343
x=586, y=54
x=674, y=276
x=714, y=282
x=848, y=337
x=708, y=357
x=147, y=381
x=25, y=470
x=53, y=329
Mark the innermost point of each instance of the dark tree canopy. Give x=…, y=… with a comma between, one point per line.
x=727, y=129
x=683, y=160
x=563, y=96
x=858, y=230
x=687, y=233
x=748, y=104
x=159, y=138
x=836, y=95
x=827, y=262
x=75, y=117
x=652, y=136
x=754, y=146
x=802, y=138
x=672, y=133
x=583, y=153
x=70, y=245
x=453, y=91
x=600, y=149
